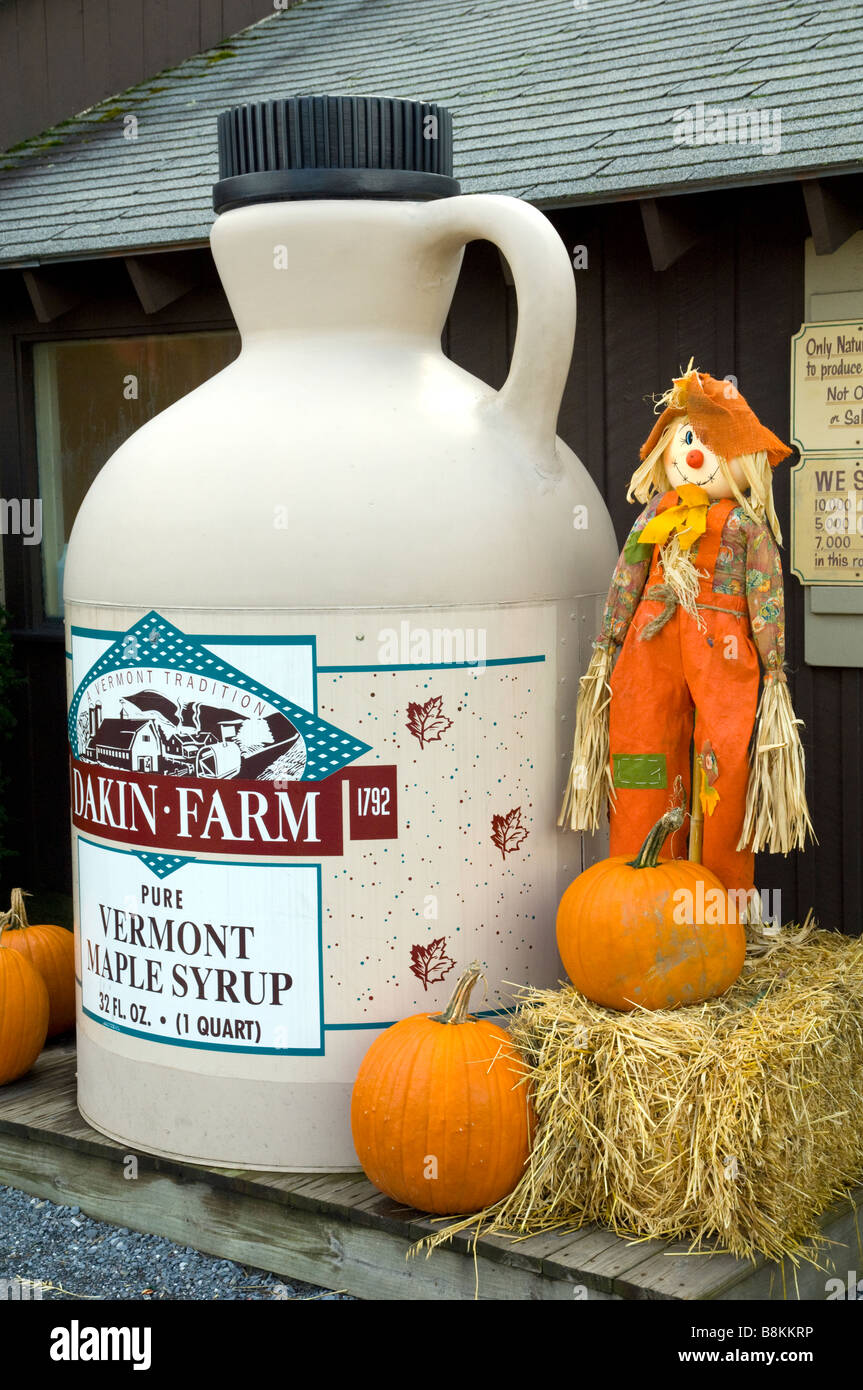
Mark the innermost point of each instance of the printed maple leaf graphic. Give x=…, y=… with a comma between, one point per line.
x=431, y=963
x=427, y=722
x=507, y=832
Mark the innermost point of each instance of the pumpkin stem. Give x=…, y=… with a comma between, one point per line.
x=456, y=1010
x=648, y=855
x=16, y=918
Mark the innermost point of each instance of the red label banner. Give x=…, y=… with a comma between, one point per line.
x=192, y=815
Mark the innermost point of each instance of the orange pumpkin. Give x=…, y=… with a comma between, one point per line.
x=51, y=950
x=440, y=1113
x=23, y=1014
x=624, y=937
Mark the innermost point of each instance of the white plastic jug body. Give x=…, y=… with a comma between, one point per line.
x=325, y=615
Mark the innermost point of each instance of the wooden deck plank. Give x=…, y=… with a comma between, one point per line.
x=339, y=1189
x=283, y=1182
x=599, y=1259
x=578, y=1247
x=612, y=1269
x=675, y=1273
x=525, y=1252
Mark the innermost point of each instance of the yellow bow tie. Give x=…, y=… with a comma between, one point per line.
x=688, y=519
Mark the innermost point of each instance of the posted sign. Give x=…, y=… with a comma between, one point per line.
x=827, y=388
x=827, y=519
x=827, y=427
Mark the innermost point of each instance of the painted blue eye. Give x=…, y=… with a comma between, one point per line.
x=688, y=437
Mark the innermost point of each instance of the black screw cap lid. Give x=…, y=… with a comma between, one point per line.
x=334, y=147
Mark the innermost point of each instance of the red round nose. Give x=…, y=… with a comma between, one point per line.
x=695, y=458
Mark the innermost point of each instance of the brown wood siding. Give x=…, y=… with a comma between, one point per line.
x=733, y=302
x=62, y=56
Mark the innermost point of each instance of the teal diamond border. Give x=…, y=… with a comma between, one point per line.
x=154, y=641
x=163, y=864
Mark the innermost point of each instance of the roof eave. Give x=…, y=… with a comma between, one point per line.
x=570, y=199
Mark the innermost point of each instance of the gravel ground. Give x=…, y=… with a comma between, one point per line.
x=72, y=1256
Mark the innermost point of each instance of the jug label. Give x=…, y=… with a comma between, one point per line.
x=285, y=842
x=202, y=760
x=204, y=961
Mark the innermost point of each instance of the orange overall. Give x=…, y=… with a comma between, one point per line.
x=659, y=686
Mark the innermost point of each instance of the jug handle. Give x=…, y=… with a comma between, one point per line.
x=545, y=292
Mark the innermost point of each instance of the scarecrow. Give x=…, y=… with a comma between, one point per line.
x=695, y=601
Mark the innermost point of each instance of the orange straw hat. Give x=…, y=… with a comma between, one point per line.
x=720, y=418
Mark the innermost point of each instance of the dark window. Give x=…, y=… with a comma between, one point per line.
x=91, y=394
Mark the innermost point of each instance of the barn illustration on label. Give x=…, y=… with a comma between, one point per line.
x=185, y=738
x=159, y=701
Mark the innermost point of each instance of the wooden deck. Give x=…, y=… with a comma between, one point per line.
x=339, y=1232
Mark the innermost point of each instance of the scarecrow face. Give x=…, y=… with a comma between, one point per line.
x=687, y=460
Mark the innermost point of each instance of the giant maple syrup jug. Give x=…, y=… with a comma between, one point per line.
x=325, y=617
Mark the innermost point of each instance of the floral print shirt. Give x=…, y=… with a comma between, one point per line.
x=747, y=563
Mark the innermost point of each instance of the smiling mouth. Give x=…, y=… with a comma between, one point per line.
x=700, y=481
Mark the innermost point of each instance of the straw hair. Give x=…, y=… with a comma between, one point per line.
x=776, y=815
x=758, y=503
x=589, y=783
x=649, y=477
x=733, y=1123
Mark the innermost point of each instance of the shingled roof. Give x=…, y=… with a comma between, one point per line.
x=558, y=101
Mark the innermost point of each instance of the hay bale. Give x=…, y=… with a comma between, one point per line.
x=737, y=1121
